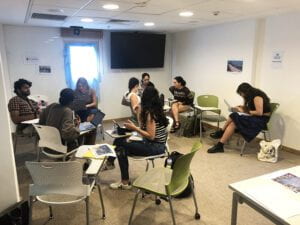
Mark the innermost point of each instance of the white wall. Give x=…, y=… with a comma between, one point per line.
x=9, y=191
x=24, y=41
x=200, y=56
x=31, y=41
x=115, y=82
x=282, y=82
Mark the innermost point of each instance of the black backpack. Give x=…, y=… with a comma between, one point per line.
x=169, y=162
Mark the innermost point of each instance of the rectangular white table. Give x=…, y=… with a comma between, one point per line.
x=33, y=121
x=112, y=134
x=202, y=109
x=273, y=200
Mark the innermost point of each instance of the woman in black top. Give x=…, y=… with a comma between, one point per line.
x=257, y=111
x=153, y=124
x=184, y=99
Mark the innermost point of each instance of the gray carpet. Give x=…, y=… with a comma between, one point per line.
x=212, y=174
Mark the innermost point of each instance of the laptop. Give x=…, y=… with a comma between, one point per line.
x=86, y=126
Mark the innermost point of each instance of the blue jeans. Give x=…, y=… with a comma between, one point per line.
x=135, y=148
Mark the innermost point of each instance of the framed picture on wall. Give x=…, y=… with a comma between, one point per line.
x=235, y=66
x=45, y=70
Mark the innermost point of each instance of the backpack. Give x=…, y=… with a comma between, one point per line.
x=187, y=128
x=169, y=162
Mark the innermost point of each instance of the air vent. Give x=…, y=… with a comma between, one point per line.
x=44, y=16
x=122, y=21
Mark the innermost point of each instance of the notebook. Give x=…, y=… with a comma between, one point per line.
x=234, y=109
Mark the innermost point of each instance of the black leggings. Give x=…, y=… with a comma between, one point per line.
x=136, y=148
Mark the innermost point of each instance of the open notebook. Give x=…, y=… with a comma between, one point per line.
x=233, y=109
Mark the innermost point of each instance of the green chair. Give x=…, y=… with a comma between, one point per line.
x=167, y=183
x=266, y=132
x=209, y=101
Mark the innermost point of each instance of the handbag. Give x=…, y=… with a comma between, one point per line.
x=124, y=100
x=269, y=151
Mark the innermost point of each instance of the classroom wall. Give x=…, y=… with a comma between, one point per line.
x=281, y=81
x=201, y=55
x=9, y=191
x=24, y=41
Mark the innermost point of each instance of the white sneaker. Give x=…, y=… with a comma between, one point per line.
x=120, y=185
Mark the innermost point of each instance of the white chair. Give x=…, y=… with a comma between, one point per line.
x=58, y=183
x=50, y=138
x=153, y=157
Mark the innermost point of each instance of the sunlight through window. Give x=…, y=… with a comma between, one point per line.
x=83, y=63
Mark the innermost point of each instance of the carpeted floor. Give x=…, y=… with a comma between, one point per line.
x=212, y=174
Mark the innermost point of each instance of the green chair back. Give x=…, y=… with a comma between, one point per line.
x=274, y=106
x=181, y=172
x=208, y=101
x=193, y=94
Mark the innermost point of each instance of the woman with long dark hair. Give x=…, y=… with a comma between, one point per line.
x=184, y=99
x=85, y=94
x=132, y=98
x=153, y=124
x=249, y=119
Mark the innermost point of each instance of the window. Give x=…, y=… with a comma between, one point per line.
x=81, y=60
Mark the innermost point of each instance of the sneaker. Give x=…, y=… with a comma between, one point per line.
x=120, y=185
x=108, y=166
x=215, y=149
x=216, y=135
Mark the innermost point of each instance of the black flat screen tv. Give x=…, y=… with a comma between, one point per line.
x=137, y=50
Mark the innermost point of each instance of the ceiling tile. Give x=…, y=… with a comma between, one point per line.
x=62, y=3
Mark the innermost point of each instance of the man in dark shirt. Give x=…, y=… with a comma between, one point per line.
x=20, y=107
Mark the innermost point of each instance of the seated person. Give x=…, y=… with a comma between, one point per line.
x=153, y=129
x=145, y=83
x=184, y=99
x=21, y=108
x=256, y=105
x=60, y=115
x=132, y=97
x=85, y=94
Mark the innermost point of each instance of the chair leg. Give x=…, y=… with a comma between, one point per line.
x=30, y=209
x=50, y=212
x=147, y=166
x=243, y=148
x=87, y=210
x=197, y=214
x=171, y=208
x=101, y=201
x=133, y=207
x=152, y=163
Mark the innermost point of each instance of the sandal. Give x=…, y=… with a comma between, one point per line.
x=177, y=125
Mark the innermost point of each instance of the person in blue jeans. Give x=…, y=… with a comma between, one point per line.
x=153, y=124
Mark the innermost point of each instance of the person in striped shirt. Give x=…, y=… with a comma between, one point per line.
x=153, y=124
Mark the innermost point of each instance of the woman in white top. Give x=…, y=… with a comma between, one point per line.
x=133, y=98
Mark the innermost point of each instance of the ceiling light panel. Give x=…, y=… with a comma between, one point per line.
x=98, y=5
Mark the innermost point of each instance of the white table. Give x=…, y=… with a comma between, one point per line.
x=112, y=134
x=202, y=109
x=272, y=199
